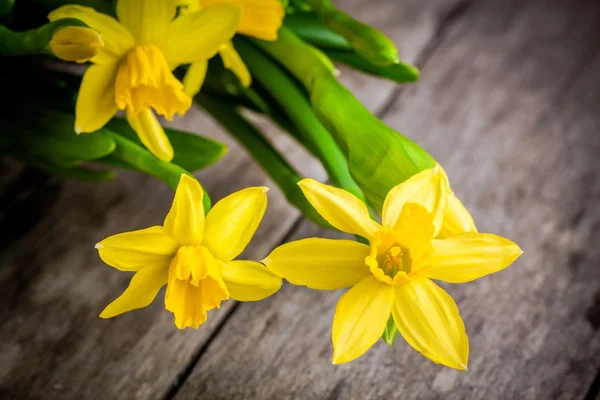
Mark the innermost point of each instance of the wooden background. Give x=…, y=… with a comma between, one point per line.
x=509, y=103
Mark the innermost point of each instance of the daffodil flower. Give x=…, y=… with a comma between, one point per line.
x=394, y=274
x=133, y=70
x=260, y=19
x=193, y=256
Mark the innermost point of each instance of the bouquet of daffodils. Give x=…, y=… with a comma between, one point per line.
x=149, y=58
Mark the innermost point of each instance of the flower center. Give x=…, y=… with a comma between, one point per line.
x=395, y=261
x=194, y=286
x=145, y=80
x=398, y=252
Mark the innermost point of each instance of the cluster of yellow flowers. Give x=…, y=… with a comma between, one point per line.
x=132, y=68
x=426, y=233
x=194, y=257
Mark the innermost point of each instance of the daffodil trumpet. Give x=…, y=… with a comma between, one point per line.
x=394, y=274
x=132, y=71
x=193, y=255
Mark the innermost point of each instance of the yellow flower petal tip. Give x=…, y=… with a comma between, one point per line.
x=76, y=43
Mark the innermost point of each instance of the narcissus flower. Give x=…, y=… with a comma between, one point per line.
x=133, y=70
x=393, y=275
x=76, y=43
x=260, y=19
x=193, y=256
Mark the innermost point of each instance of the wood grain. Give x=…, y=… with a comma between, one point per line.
x=509, y=103
x=52, y=344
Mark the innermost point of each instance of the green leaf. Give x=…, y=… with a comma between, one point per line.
x=138, y=157
x=390, y=333
x=50, y=133
x=378, y=157
x=299, y=5
x=367, y=41
x=34, y=41
x=76, y=173
x=400, y=72
x=309, y=28
x=272, y=162
x=192, y=152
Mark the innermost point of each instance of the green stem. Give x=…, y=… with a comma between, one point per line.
x=298, y=109
x=131, y=153
x=278, y=169
x=378, y=157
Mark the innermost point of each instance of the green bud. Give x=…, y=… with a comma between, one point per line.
x=34, y=41
x=399, y=73
x=367, y=41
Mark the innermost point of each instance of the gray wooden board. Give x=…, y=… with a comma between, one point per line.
x=509, y=103
x=53, y=285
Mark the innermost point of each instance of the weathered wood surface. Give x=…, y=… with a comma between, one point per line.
x=509, y=102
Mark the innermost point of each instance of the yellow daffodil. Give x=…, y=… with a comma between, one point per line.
x=133, y=70
x=76, y=43
x=193, y=256
x=394, y=274
x=260, y=19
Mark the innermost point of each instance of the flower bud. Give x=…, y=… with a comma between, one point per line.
x=75, y=43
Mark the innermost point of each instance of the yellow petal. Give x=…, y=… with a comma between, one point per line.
x=428, y=319
x=132, y=251
x=76, y=43
x=194, y=78
x=341, y=209
x=469, y=256
x=249, y=280
x=96, y=99
x=147, y=20
x=456, y=218
x=117, y=39
x=428, y=188
x=360, y=319
x=414, y=231
x=142, y=290
x=324, y=264
x=198, y=36
x=233, y=61
x=260, y=18
x=185, y=220
x=151, y=133
x=231, y=223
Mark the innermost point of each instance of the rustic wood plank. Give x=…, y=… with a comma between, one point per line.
x=52, y=344
x=509, y=104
